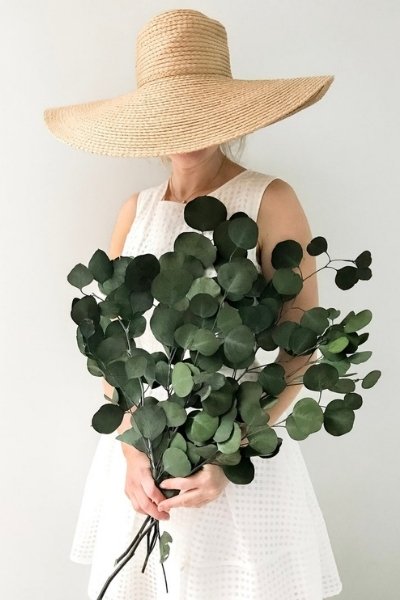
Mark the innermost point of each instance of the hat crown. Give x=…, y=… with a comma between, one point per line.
x=181, y=42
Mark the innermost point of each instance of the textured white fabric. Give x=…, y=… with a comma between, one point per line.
x=263, y=541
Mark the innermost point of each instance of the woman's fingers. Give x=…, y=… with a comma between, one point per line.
x=148, y=505
x=180, y=483
x=192, y=498
x=150, y=488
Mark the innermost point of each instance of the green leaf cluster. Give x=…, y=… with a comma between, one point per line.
x=209, y=323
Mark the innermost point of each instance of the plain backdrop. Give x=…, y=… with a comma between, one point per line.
x=59, y=204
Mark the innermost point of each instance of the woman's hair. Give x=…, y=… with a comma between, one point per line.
x=227, y=148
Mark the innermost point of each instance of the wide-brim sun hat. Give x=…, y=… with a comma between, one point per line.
x=185, y=98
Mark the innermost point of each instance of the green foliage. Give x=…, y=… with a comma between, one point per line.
x=165, y=540
x=212, y=310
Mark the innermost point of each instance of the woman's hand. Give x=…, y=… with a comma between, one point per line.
x=195, y=490
x=140, y=486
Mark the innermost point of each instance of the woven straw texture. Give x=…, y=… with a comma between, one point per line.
x=186, y=98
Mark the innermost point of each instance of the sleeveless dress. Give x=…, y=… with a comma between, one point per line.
x=266, y=540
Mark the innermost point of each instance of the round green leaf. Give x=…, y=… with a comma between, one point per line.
x=282, y=332
x=136, y=366
x=308, y=415
x=108, y=418
x=164, y=542
x=346, y=277
x=219, y=401
x=140, y=301
x=239, y=343
x=176, y=414
x=243, y=232
x=150, y=419
x=208, y=363
x=140, y=272
x=205, y=213
x=85, y=309
x=203, y=427
x=370, y=379
x=197, y=245
x=120, y=296
x=120, y=264
x=228, y=459
x=171, y=285
x=163, y=323
x=80, y=276
x=338, y=418
x=248, y=395
x=295, y=432
x=357, y=321
x=225, y=426
x=184, y=335
x=173, y=260
x=337, y=345
x=364, y=259
x=205, y=342
x=110, y=349
x=242, y=473
x=182, y=380
x=228, y=318
x=316, y=319
x=101, y=266
x=204, y=285
x=302, y=340
x=234, y=277
x=204, y=305
x=263, y=439
x=317, y=246
x=272, y=378
x=286, y=254
x=320, y=377
x=353, y=400
x=343, y=386
x=178, y=441
x=360, y=357
x=232, y=444
x=176, y=463
x=226, y=247
x=116, y=373
x=134, y=438
x=257, y=317
x=133, y=391
x=287, y=282
x=93, y=367
x=207, y=451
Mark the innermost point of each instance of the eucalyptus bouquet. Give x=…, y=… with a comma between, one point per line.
x=214, y=310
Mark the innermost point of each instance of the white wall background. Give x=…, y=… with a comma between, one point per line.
x=59, y=204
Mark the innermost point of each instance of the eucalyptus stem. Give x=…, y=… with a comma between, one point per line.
x=162, y=564
x=134, y=540
x=151, y=544
x=138, y=538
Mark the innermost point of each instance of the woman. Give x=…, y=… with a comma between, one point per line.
x=267, y=539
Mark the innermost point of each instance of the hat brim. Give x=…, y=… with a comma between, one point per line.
x=182, y=114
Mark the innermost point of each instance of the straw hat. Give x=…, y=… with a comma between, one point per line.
x=186, y=98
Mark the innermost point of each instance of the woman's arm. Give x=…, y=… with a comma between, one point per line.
x=282, y=217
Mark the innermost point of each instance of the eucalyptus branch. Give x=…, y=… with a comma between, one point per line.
x=123, y=562
x=214, y=423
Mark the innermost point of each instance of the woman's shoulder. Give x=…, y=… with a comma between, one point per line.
x=129, y=206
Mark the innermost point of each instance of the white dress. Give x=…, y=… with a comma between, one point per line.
x=266, y=540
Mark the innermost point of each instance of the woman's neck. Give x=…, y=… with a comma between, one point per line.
x=199, y=178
